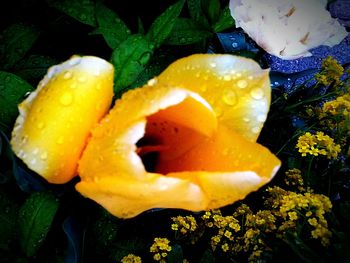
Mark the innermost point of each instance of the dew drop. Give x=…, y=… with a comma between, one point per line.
x=227, y=78
x=213, y=65
x=67, y=75
x=66, y=99
x=40, y=125
x=255, y=130
x=257, y=93
x=152, y=82
x=218, y=112
x=43, y=156
x=246, y=119
x=82, y=79
x=33, y=161
x=229, y=97
x=242, y=84
x=35, y=151
x=261, y=118
x=60, y=140
x=98, y=86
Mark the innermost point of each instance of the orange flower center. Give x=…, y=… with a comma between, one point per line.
x=173, y=131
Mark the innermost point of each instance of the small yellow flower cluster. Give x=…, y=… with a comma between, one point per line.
x=184, y=224
x=331, y=71
x=131, y=258
x=160, y=248
x=225, y=229
x=340, y=106
x=294, y=178
x=294, y=206
x=335, y=114
x=318, y=144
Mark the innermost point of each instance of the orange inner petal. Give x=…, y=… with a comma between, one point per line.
x=177, y=139
x=172, y=132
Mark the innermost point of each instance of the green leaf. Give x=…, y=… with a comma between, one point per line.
x=301, y=249
x=130, y=59
x=140, y=27
x=35, y=219
x=186, y=32
x=81, y=10
x=197, y=14
x=111, y=26
x=12, y=92
x=195, y=9
x=34, y=67
x=8, y=212
x=17, y=39
x=225, y=21
x=207, y=257
x=175, y=255
x=163, y=25
x=211, y=9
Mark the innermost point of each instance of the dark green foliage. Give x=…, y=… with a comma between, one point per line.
x=163, y=25
x=35, y=219
x=12, y=91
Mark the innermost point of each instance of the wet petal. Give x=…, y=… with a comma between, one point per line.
x=181, y=128
x=112, y=147
x=237, y=88
x=55, y=120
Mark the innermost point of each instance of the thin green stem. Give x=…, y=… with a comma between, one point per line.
x=309, y=171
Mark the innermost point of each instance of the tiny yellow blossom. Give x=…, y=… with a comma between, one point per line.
x=184, y=224
x=331, y=71
x=160, y=247
x=318, y=144
x=131, y=258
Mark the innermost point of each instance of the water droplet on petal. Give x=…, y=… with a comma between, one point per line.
x=60, y=140
x=33, y=161
x=227, y=77
x=43, y=156
x=213, y=64
x=152, y=82
x=257, y=93
x=229, y=97
x=82, y=79
x=35, y=151
x=261, y=118
x=40, y=125
x=67, y=75
x=242, y=84
x=255, y=130
x=246, y=119
x=218, y=112
x=66, y=99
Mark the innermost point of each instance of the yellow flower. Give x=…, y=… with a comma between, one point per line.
x=131, y=258
x=56, y=119
x=199, y=121
x=331, y=71
x=318, y=144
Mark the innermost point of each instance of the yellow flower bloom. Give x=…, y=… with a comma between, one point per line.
x=55, y=120
x=131, y=258
x=331, y=71
x=318, y=144
x=199, y=119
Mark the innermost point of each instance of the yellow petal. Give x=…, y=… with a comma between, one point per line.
x=112, y=147
x=237, y=88
x=55, y=120
x=177, y=124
